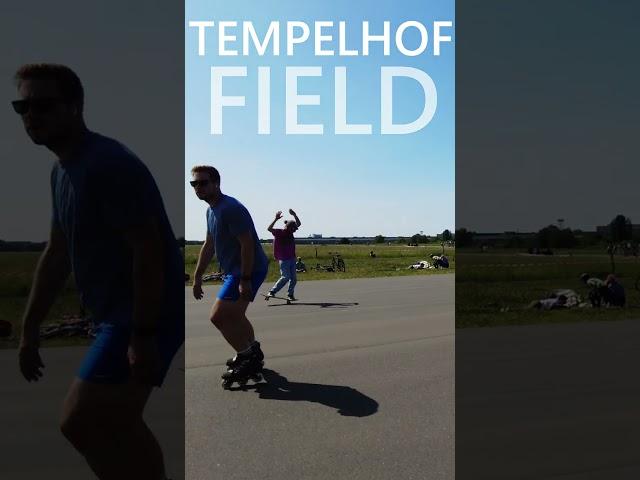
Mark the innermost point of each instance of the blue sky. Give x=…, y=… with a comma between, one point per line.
x=340, y=185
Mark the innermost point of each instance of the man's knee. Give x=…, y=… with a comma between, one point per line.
x=94, y=414
x=218, y=319
x=284, y=275
x=73, y=424
x=82, y=431
x=227, y=312
x=73, y=429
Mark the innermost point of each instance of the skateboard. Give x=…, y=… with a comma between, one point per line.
x=267, y=297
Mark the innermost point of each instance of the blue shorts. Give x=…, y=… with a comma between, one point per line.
x=106, y=360
x=229, y=289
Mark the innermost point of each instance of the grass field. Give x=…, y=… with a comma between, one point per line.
x=391, y=260
x=492, y=288
x=16, y=274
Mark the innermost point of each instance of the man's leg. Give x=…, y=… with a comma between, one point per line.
x=252, y=335
x=284, y=278
x=229, y=317
x=293, y=278
x=104, y=423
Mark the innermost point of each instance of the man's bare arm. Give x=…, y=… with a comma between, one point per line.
x=278, y=217
x=51, y=274
x=295, y=216
x=247, y=257
x=204, y=258
x=247, y=253
x=148, y=251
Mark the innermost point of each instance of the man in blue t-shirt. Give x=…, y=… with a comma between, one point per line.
x=231, y=235
x=110, y=229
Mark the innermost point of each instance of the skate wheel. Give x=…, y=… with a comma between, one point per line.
x=226, y=384
x=288, y=302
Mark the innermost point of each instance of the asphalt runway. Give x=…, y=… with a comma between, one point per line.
x=31, y=445
x=557, y=402
x=360, y=385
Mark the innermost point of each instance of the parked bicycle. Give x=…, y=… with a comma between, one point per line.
x=337, y=264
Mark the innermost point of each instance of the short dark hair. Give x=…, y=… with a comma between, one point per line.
x=67, y=80
x=213, y=173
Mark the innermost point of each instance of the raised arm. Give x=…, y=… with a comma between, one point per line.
x=278, y=217
x=298, y=222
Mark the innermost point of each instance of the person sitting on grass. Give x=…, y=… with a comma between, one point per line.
x=440, y=261
x=598, y=290
x=300, y=266
x=615, y=292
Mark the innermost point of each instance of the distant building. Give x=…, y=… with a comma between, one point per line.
x=315, y=235
x=499, y=237
x=502, y=239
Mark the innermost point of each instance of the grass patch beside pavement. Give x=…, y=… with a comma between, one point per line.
x=17, y=269
x=492, y=288
x=16, y=275
x=391, y=260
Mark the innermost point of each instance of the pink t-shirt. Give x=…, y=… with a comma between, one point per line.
x=284, y=245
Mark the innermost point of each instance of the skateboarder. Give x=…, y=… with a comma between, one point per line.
x=231, y=235
x=110, y=229
x=284, y=250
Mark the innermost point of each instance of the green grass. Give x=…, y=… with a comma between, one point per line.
x=493, y=288
x=391, y=260
x=16, y=275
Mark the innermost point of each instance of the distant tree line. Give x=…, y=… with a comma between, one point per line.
x=619, y=230
x=25, y=246
x=417, y=239
x=6, y=246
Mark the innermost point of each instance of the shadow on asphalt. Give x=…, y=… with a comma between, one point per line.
x=348, y=401
x=319, y=304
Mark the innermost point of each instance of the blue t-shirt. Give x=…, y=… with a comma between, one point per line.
x=225, y=221
x=100, y=192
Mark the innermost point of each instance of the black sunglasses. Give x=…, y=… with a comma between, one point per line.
x=35, y=105
x=199, y=183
